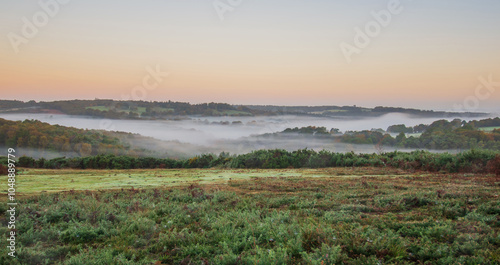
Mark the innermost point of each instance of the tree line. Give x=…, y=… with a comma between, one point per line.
x=472, y=161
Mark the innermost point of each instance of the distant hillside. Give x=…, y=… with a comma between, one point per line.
x=39, y=139
x=355, y=111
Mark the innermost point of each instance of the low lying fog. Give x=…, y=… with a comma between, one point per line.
x=231, y=134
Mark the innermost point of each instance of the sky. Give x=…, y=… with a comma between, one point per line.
x=422, y=54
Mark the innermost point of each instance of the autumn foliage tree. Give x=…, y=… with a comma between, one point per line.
x=42, y=136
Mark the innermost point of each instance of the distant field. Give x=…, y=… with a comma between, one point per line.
x=292, y=216
x=234, y=112
x=489, y=129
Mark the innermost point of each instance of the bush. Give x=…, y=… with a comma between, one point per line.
x=472, y=161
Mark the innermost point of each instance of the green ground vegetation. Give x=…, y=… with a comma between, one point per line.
x=100, y=108
x=41, y=136
x=440, y=135
x=332, y=216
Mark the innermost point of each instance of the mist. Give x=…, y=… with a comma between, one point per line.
x=236, y=135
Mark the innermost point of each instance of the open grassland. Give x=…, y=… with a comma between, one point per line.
x=35, y=181
x=326, y=216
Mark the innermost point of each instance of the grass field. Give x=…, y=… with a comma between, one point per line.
x=488, y=129
x=165, y=110
x=234, y=113
x=292, y=216
x=139, y=111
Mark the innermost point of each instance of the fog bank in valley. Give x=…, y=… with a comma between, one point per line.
x=236, y=135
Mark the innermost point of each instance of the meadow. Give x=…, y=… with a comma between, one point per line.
x=489, y=129
x=254, y=216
